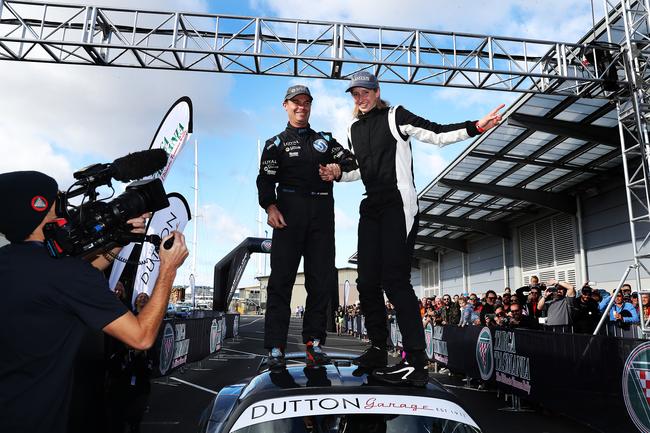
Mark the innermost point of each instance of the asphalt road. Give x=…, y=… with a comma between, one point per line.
x=178, y=402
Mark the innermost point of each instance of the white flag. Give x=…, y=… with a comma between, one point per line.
x=163, y=222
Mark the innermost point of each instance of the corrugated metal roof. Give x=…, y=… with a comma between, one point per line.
x=519, y=157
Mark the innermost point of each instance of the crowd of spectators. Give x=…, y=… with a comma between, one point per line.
x=347, y=316
x=554, y=305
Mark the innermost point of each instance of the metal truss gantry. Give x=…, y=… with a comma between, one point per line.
x=88, y=35
x=631, y=31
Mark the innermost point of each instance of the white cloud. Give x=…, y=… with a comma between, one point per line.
x=219, y=227
x=218, y=233
x=24, y=152
x=563, y=20
x=474, y=100
x=103, y=111
x=97, y=114
x=428, y=162
x=343, y=221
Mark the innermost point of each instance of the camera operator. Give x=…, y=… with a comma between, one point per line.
x=557, y=302
x=53, y=302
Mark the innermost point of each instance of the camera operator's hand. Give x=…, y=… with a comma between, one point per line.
x=140, y=331
x=172, y=258
x=139, y=224
x=104, y=260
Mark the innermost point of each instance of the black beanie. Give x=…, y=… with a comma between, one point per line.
x=27, y=196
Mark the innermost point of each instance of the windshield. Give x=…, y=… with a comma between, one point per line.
x=360, y=424
x=352, y=413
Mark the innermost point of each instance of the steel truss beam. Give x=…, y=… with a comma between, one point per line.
x=632, y=33
x=593, y=133
x=550, y=200
x=451, y=244
x=90, y=35
x=488, y=227
x=469, y=205
x=532, y=161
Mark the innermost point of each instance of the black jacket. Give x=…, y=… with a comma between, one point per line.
x=292, y=158
x=385, y=165
x=585, y=315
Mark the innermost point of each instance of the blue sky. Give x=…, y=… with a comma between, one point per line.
x=58, y=118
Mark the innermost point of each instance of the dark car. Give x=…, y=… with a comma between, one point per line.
x=336, y=398
x=182, y=311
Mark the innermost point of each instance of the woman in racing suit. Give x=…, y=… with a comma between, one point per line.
x=379, y=136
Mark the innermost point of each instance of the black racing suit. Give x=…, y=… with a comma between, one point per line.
x=389, y=214
x=291, y=160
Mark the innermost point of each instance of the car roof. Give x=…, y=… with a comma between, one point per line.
x=340, y=375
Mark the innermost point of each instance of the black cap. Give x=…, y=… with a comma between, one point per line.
x=363, y=79
x=586, y=290
x=299, y=89
x=27, y=197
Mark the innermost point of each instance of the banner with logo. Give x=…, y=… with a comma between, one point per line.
x=172, y=134
x=232, y=325
x=575, y=374
x=180, y=342
x=346, y=293
x=163, y=222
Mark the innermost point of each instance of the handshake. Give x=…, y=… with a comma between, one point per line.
x=330, y=172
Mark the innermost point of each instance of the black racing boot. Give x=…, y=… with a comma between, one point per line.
x=411, y=371
x=275, y=359
x=373, y=357
x=314, y=354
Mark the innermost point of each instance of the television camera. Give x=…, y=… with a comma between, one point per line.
x=97, y=224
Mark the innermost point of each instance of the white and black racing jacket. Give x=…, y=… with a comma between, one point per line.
x=380, y=141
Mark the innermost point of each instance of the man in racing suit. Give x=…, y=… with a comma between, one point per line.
x=301, y=212
x=380, y=139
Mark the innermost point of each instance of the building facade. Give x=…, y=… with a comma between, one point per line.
x=299, y=294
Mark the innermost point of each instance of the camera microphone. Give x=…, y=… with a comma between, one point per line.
x=139, y=164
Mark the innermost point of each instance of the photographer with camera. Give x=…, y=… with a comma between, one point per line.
x=489, y=305
x=557, y=303
x=623, y=313
x=53, y=302
x=528, y=297
x=519, y=320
